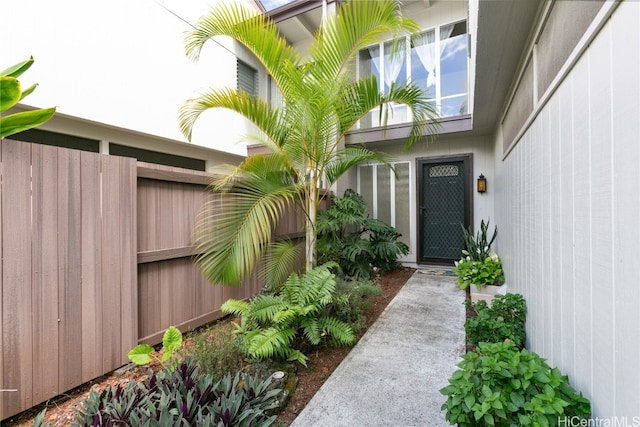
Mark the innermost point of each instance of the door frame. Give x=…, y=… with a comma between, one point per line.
x=467, y=163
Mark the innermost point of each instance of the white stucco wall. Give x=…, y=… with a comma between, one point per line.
x=121, y=63
x=568, y=207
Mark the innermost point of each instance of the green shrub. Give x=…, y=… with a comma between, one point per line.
x=180, y=397
x=357, y=243
x=354, y=302
x=479, y=273
x=217, y=351
x=502, y=386
x=274, y=325
x=479, y=248
x=504, y=319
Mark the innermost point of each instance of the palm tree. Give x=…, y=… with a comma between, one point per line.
x=322, y=101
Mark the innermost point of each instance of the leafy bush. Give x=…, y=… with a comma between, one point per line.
x=357, y=294
x=271, y=324
x=502, y=386
x=181, y=397
x=479, y=248
x=347, y=236
x=217, y=351
x=479, y=273
x=504, y=319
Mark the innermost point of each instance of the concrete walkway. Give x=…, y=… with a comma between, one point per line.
x=392, y=377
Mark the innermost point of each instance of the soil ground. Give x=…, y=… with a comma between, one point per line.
x=61, y=410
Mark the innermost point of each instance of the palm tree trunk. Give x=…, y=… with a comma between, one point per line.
x=310, y=226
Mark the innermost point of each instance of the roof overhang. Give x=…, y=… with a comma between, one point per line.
x=503, y=32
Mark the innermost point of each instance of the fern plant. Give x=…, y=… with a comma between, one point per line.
x=271, y=325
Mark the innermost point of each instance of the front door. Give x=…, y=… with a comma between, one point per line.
x=444, y=204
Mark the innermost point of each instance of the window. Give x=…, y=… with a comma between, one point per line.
x=435, y=60
x=387, y=196
x=388, y=69
x=247, y=78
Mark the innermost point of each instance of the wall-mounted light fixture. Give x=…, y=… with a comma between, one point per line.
x=482, y=184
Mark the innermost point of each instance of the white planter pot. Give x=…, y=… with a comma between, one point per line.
x=486, y=293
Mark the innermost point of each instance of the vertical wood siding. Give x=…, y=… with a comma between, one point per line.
x=568, y=208
x=68, y=269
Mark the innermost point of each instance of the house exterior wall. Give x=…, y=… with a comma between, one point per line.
x=567, y=209
x=482, y=150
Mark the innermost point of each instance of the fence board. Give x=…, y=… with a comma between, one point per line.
x=69, y=271
x=16, y=279
x=128, y=230
x=91, y=226
x=111, y=265
x=45, y=272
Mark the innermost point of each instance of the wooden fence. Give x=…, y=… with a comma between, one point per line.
x=96, y=257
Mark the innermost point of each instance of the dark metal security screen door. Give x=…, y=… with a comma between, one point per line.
x=443, y=207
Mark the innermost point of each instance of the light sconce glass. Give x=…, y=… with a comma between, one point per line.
x=482, y=184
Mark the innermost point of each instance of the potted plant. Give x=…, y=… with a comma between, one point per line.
x=480, y=266
x=484, y=279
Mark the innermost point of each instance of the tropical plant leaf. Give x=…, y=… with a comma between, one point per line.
x=234, y=306
x=340, y=331
x=9, y=92
x=297, y=356
x=28, y=91
x=25, y=120
x=17, y=69
x=311, y=330
x=265, y=307
x=140, y=354
x=272, y=342
x=171, y=341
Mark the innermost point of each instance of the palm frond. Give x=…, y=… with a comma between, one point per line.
x=346, y=158
x=280, y=260
x=424, y=111
x=254, y=31
x=252, y=108
x=234, y=229
x=356, y=25
x=358, y=98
